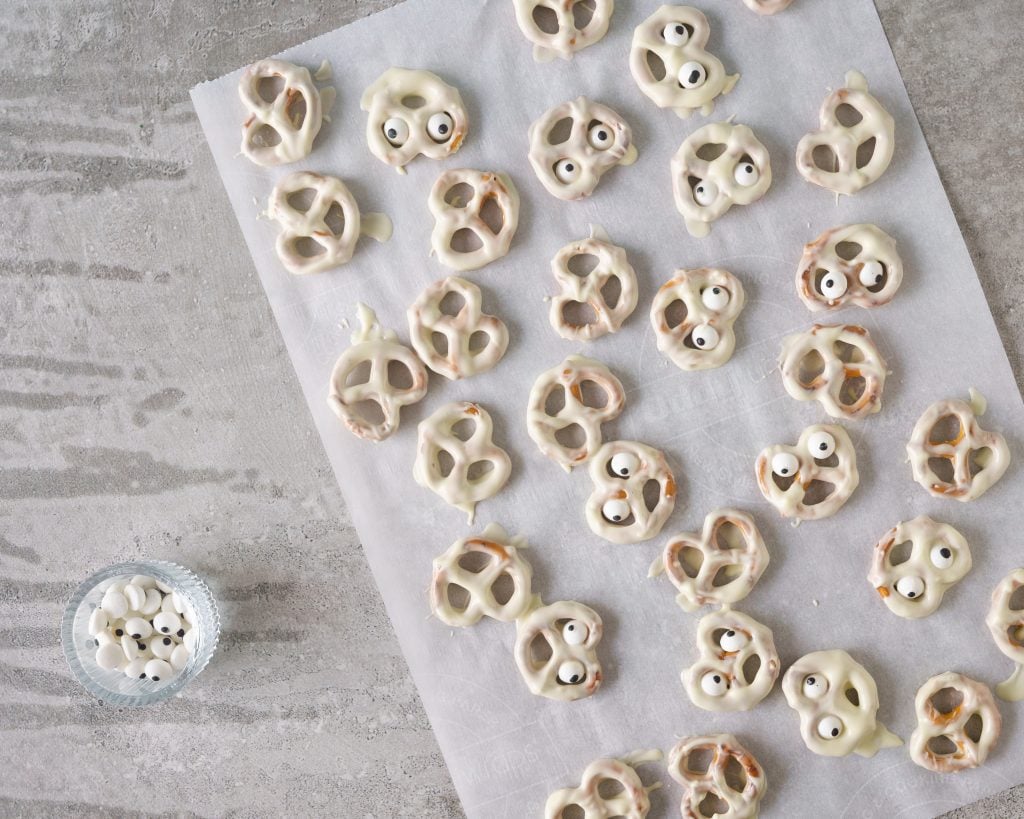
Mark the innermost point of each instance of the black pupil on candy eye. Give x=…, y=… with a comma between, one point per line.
x=945, y=552
x=716, y=678
x=829, y=283
x=811, y=681
x=694, y=75
x=835, y=732
x=715, y=290
x=443, y=128
x=680, y=30
x=602, y=136
x=822, y=447
x=119, y=633
x=699, y=341
x=392, y=133
x=569, y=167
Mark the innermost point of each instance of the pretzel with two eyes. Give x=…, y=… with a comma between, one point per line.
x=621, y=508
x=828, y=280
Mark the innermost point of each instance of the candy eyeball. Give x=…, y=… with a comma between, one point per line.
x=704, y=337
x=439, y=127
x=571, y=672
x=785, y=464
x=705, y=193
x=713, y=684
x=746, y=174
x=158, y=670
x=910, y=587
x=136, y=669
x=871, y=274
x=714, y=297
x=138, y=628
x=567, y=171
x=821, y=445
x=624, y=464
x=733, y=640
x=815, y=686
x=166, y=622
x=941, y=556
x=600, y=137
x=110, y=656
x=830, y=727
x=98, y=621
x=616, y=511
x=575, y=633
x=396, y=131
x=692, y=75
x=675, y=34
x=833, y=285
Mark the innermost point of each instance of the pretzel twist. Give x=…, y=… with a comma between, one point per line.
x=1007, y=627
x=610, y=490
x=296, y=132
x=970, y=746
x=700, y=782
x=453, y=215
x=547, y=624
x=823, y=269
x=631, y=801
x=565, y=39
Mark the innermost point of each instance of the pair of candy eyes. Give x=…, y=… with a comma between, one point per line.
x=573, y=672
x=820, y=445
x=911, y=586
x=600, y=137
x=691, y=74
x=439, y=128
x=621, y=465
x=746, y=174
x=834, y=285
x=704, y=336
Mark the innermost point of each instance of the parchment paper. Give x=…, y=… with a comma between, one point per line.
x=506, y=748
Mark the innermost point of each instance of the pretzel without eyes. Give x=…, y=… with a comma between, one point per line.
x=826, y=280
x=1007, y=627
x=630, y=801
x=560, y=35
x=634, y=492
x=717, y=766
x=490, y=214
x=767, y=6
x=295, y=128
x=958, y=733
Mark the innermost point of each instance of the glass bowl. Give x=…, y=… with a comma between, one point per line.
x=113, y=686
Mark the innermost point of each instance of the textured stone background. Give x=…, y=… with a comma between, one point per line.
x=148, y=408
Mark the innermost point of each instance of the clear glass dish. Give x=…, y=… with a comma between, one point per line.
x=113, y=686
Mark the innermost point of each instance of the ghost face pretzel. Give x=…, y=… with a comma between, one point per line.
x=551, y=25
x=956, y=729
x=837, y=701
x=852, y=264
x=706, y=183
x=669, y=62
x=813, y=479
x=913, y=586
x=848, y=169
x=569, y=164
x=837, y=365
x=556, y=650
x=634, y=492
x=589, y=395
x=366, y=373
x=693, y=315
x=631, y=799
x=717, y=766
x=1007, y=627
x=475, y=217
x=294, y=115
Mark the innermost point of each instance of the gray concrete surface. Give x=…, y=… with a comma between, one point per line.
x=148, y=408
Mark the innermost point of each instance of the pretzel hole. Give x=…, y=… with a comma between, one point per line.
x=492, y=215
x=301, y=200
x=269, y=88
x=545, y=19
x=947, y=430
x=479, y=341
x=413, y=101
x=474, y=561
x=440, y=343
x=865, y=151
x=555, y=401
x=464, y=428
x=1015, y=634
x=369, y=411
x=824, y=158
x=973, y=727
x=712, y=805
x=451, y=304
x=540, y=650
x=946, y=700
x=581, y=264
x=729, y=536
x=652, y=494
x=583, y=13
x=943, y=469
x=1016, y=601
x=656, y=66
x=852, y=390
x=572, y=811
x=503, y=588
x=399, y=375
x=459, y=194
x=445, y=463
x=560, y=131
x=571, y=437
x=675, y=314
x=335, y=219
x=578, y=314
x=847, y=115
x=735, y=774
x=265, y=137
x=359, y=374
x=612, y=292
x=783, y=481
x=942, y=745
x=811, y=367
x=831, y=461
x=979, y=459
x=750, y=668
x=852, y=696
x=593, y=395
x=690, y=559
x=817, y=492
x=458, y=597
x=848, y=353
x=465, y=240
x=699, y=760
x=307, y=247
x=900, y=553
x=726, y=575
x=478, y=470
x=848, y=251
x=710, y=151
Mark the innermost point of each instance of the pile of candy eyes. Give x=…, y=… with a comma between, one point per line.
x=143, y=628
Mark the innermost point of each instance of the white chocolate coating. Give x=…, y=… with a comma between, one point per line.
x=972, y=474
x=663, y=88
x=632, y=800
x=588, y=162
x=821, y=261
x=720, y=564
x=612, y=266
x=977, y=701
x=282, y=115
x=859, y=730
x=928, y=581
x=310, y=225
x=461, y=357
x=677, y=341
x=699, y=782
x=569, y=377
x=385, y=100
x=1007, y=628
x=740, y=144
x=767, y=6
x=789, y=494
x=378, y=347
x=544, y=623
x=837, y=365
x=439, y=434
x=566, y=39
x=643, y=522
x=500, y=559
x=451, y=217
x=727, y=658
x=845, y=177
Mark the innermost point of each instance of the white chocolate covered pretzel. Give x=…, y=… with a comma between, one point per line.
x=375, y=370
x=852, y=264
x=738, y=663
x=837, y=701
x=555, y=29
x=1007, y=627
x=572, y=145
x=693, y=315
x=579, y=394
x=324, y=234
x=556, y=650
x=591, y=800
x=956, y=729
x=719, y=768
x=720, y=564
x=292, y=118
x=671, y=65
x=849, y=167
x=634, y=492
x=595, y=288
x=413, y=113
x=706, y=183
x=813, y=479
x=961, y=462
x=912, y=584
x=837, y=365
x=457, y=353
x=767, y=6
x=476, y=214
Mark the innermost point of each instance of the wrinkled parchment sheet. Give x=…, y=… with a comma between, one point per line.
x=506, y=748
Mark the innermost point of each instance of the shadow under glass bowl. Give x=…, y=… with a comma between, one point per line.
x=113, y=686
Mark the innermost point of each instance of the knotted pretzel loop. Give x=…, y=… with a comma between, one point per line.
x=394, y=377
x=962, y=462
x=634, y=492
x=574, y=382
x=464, y=467
x=693, y=316
x=717, y=766
x=556, y=650
x=848, y=169
x=670, y=64
x=837, y=701
x=570, y=159
x=562, y=27
x=830, y=277
x=721, y=564
x=813, y=479
x=956, y=729
x=912, y=583
x=456, y=354
x=1006, y=622
x=767, y=6
x=837, y=365
x=716, y=167
x=475, y=217
x=294, y=114
x=631, y=799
